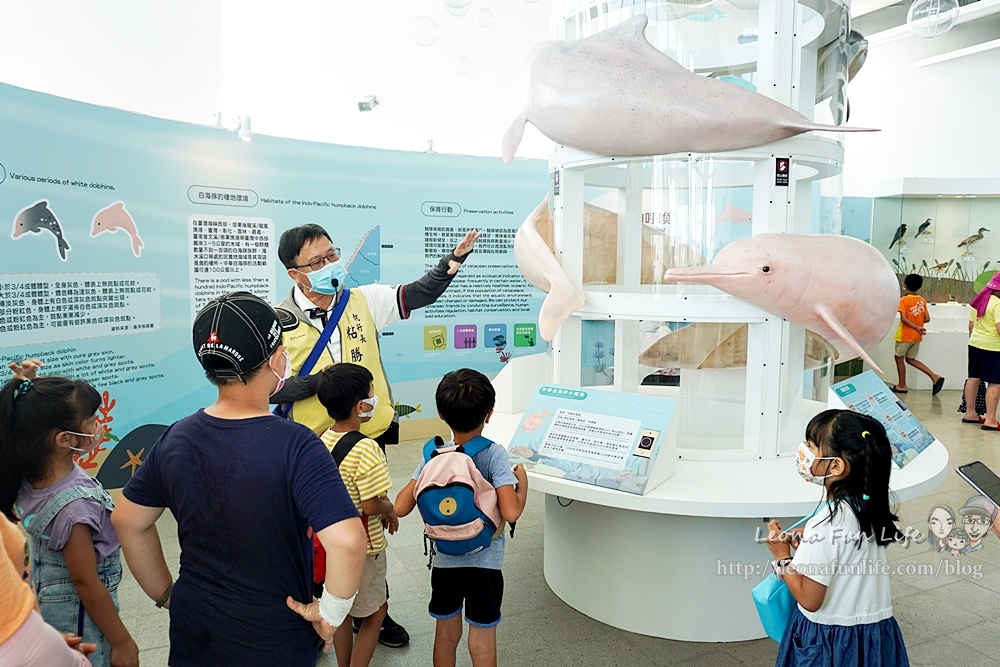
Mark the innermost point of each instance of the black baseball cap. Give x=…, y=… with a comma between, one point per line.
x=236, y=333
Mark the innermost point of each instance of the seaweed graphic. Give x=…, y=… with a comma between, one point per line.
x=600, y=366
x=88, y=460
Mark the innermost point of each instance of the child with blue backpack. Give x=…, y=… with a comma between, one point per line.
x=466, y=570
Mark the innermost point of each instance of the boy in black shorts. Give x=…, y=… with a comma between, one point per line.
x=465, y=401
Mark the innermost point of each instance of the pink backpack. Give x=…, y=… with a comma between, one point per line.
x=458, y=506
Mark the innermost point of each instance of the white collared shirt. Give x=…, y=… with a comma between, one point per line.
x=381, y=302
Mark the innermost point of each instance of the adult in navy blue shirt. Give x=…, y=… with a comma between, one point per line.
x=244, y=487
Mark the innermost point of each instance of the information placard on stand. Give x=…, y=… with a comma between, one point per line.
x=608, y=439
x=867, y=394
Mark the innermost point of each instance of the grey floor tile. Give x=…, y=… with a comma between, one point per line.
x=926, y=614
x=947, y=651
x=979, y=637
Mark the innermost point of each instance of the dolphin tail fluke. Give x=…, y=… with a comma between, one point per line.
x=564, y=298
x=137, y=246
x=63, y=247
x=834, y=323
x=512, y=138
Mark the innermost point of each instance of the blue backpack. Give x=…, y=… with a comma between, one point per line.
x=458, y=506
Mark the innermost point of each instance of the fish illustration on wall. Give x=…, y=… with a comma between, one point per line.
x=33, y=219
x=405, y=410
x=614, y=93
x=116, y=217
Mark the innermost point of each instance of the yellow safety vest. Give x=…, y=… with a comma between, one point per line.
x=358, y=344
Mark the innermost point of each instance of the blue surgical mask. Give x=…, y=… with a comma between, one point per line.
x=329, y=279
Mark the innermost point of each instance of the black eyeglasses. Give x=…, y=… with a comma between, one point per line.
x=979, y=520
x=318, y=264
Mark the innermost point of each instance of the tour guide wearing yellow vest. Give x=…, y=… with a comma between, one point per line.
x=314, y=264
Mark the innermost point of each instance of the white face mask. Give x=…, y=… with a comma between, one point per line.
x=95, y=439
x=287, y=373
x=804, y=459
x=373, y=401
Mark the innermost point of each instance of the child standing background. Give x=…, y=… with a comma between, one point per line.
x=913, y=315
x=844, y=613
x=347, y=393
x=75, y=555
x=465, y=400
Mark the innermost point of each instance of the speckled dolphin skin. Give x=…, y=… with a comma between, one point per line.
x=33, y=219
x=614, y=94
x=838, y=286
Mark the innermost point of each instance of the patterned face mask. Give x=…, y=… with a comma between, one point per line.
x=804, y=459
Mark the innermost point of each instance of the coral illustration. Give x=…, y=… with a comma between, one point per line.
x=89, y=460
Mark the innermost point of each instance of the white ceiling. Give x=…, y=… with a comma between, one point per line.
x=306, y=63
x=299, y=68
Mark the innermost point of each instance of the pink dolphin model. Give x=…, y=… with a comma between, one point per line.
x=614, y=93
x=540, y=268
x=115, y=217
x=838, y=286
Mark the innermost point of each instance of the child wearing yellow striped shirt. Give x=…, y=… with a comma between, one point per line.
x=347, y=393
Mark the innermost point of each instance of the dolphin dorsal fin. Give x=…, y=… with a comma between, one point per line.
x=627, y=36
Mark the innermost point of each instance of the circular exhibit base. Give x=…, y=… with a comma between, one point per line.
x=676, y=577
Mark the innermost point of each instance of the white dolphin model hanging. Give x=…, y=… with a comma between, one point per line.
x=614, y=94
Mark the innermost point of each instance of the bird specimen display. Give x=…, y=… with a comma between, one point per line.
x=970, y=240
x=898, y=238
x=923, y=227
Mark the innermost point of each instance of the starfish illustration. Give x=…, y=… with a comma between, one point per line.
x=134, y=460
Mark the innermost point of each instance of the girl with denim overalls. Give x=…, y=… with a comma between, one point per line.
x=75, y=555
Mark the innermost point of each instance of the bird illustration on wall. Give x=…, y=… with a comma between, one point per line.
x=968, y=242
x=898, y=238
x=923, y=227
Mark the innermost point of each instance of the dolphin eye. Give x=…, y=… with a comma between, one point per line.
x=765, y=269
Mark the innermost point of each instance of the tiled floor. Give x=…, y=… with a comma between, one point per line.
x=946, y=620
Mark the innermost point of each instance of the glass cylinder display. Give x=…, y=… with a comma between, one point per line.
x=746, y=380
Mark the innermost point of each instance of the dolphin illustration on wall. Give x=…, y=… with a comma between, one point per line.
x=33, y=219
x=613, y=93
x=838, y=286
x=114, y=217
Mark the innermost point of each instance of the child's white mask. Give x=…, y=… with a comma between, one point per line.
x=373, y=401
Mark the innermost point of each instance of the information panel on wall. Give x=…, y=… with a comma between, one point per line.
x=123, y=226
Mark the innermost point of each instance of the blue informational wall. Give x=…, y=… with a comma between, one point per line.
x=122, y=226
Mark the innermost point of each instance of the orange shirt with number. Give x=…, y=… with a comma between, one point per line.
x=914, y=308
